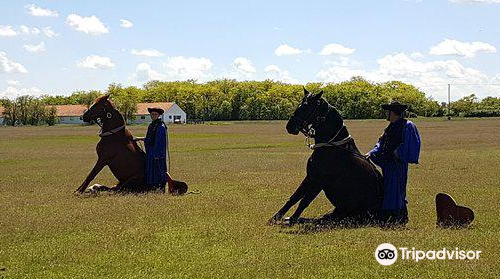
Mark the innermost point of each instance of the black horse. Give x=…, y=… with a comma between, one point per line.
x=350, y=182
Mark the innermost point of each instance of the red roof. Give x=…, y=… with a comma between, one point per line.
x=142, y=108
x=1, y=111
x=70, y=110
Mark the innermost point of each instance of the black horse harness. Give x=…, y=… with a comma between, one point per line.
x=306, y=127
x=99, y=122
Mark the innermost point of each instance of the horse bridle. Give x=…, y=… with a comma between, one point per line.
x=306, y=127
x=109, y=115
x=99, y=122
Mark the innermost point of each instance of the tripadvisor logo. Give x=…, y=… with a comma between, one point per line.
x=387, y=254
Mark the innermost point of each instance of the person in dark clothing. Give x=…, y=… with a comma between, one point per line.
x=156, y=146
x=396, y=148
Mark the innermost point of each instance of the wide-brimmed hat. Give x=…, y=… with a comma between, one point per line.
x=156, y=109
x=395, y=106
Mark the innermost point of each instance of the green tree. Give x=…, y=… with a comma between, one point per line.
x=125, y=99
x=464, y=105
x=50, y=116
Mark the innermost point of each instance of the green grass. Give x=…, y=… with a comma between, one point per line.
x=245, y=172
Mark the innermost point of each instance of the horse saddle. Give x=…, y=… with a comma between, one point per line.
x=450, y=215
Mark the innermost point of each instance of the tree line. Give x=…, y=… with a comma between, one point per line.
x=28, y=110
x=471, y=106
x=253, y=100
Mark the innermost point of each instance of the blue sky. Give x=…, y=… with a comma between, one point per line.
x=56, y=47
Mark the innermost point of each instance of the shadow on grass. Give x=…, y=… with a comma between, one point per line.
x=312, y=226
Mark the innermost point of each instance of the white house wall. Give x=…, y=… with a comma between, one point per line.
x=70, y=120
x=168, y=116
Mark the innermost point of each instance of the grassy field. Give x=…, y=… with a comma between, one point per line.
x=245, y=172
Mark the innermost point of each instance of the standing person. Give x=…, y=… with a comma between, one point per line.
x=396, y=148
x=156, y=149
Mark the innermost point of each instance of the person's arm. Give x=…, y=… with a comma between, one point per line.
x=409, y=150
x=374, y=155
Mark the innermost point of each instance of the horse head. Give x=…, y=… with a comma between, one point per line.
x=101, y=109
x=309, y=111
x=316, y=118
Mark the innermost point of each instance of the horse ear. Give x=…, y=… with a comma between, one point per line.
x=318, y=96
x=305, y=91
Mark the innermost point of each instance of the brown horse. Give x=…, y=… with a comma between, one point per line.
x=118, y=150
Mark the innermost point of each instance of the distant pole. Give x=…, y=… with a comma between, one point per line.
x=449, y=94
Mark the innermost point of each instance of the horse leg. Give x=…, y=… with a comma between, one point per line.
x=99, y=165
x=133, y=184
x=300, y=193
x=101, y=188
x=294, y=198
x=312, y=192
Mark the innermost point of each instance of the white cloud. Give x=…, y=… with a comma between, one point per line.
x=96, y=62
x=14, y=91
x=7, y=31
x=47, y=31
x=180, y=67
x=432, y=75
x=285, y=50
x=457, y=48
x=343, y=62
x=336, y=49
x=13, y=82
x=25, y=29
x=35, y=10
x=126, y=23
x=475, y=1
x=10, y=67
x=244, y=66
x=416, y=55
x=35, y=48
x=144, y=72
x=274, y=72
x=272, y=69
x=91, y=25
x=339, y=73
x=150, y=52
x=29, y=31
x=175, y=68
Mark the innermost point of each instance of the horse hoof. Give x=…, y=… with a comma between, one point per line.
x=94, y=188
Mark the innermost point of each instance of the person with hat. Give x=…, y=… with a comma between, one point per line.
x=397, y=147
x=156, y=147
